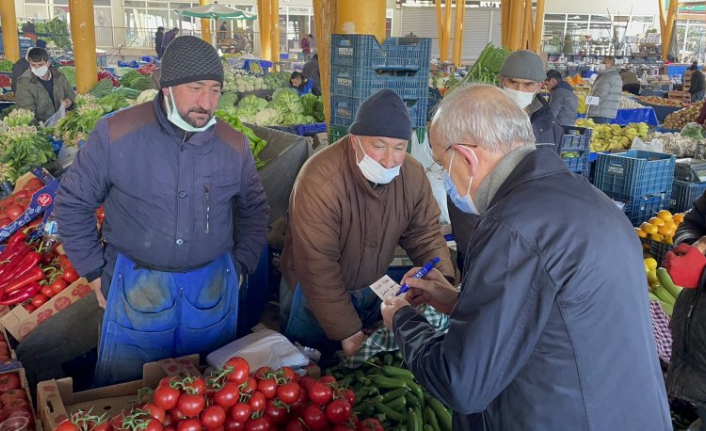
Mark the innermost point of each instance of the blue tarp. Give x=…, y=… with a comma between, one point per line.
x=639, y=115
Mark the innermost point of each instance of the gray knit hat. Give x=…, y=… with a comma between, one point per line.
x=383, y=114
x=523, y=65
x=189, y=59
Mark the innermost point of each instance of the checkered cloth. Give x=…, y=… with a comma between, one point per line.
x=660, y=329
x=383, y=339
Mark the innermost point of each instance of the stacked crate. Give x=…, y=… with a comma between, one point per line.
x=360, y=67
x=640, y=179
x=688, y=185
x=575, y=148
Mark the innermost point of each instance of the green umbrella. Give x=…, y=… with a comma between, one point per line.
x=216, y=11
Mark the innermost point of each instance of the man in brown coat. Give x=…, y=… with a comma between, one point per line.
x=351, y=205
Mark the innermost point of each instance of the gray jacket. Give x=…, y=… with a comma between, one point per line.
x=564, y=104
x=174, y=201
x=609, y=88
x=549, y=333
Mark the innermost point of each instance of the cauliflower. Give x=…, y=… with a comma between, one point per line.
x=266, y=117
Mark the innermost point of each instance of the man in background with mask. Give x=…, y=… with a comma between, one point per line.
x=42, y=89
x=351, y=205
x=608, y=87
x=521, y=78
x=533, y=344
x=186, y=219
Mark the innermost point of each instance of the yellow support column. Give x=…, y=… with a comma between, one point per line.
x=263, y=20
x=516, y=15
x=325, y=23
x=538, y=27
x=526, y=24
x=9, y=26
x=274, y=30
x=440, y=24
x=505, y=6
x=458, y=32
x=361, y=17
x=83, y=35
x=671, y=21
x=447, y=32
x=205, y=25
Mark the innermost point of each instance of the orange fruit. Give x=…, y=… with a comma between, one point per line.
x=657, y=237
x=664, y=230
x=664, y=215
x=678, y=218
x=656, y=221
x=641, y=233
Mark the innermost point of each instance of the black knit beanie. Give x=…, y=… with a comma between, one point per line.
x=383, y=114
x=190, y=59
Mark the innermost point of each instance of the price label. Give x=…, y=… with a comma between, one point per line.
x=592, y=100
x=385, y=288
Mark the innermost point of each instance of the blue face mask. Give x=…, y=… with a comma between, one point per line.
x=464, y=203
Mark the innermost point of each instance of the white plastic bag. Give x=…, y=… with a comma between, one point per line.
x=655, y=146
x=58, y=115
x=422, y=152
x=262, y=348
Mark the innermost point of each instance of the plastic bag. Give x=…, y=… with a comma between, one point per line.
x=58, y=115
x=693, y=130
x=655, y=146
x=422, y=152
x=262, y=348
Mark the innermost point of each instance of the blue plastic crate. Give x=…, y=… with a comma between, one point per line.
x=394, y=54
x=353, y=82
x=684, y=194
x=635, y=173
x=641, y=208
x=344, y=109
x=578, y=165
x=311, y=129
x=576, y=138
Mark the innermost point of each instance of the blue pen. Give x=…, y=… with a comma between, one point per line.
x=421, y=273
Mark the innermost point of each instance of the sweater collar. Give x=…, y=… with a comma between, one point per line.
x=491, y=184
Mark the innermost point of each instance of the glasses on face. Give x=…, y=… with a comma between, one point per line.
x=436, y=170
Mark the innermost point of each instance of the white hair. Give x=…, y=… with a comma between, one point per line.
x=484, y=116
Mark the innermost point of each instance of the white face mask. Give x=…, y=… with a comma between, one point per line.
x=41, y=71
x=374, y=171
x=521, y=98
x=175, y=118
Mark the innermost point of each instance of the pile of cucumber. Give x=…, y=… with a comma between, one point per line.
x=385, y=390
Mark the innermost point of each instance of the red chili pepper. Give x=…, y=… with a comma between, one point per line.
x=13, y=259
x=21, y=295
x=28, y=262
x=19, y=236
x=34, y=274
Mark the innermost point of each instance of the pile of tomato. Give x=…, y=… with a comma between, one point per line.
x=234, y=399
x=13, y=399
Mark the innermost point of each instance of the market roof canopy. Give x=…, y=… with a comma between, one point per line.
x=216, y=11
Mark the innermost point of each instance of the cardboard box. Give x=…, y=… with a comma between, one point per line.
x=42, y=202
x=18, y=322
x=56, y=400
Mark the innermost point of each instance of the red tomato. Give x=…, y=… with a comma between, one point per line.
x=105, y=426
x=263, y=373
x=278, y=413
x=213, y=417
x=320, y=394
x=232, y=425
x=66, y=426
x=249, y=386
x=176, y=415
x=370, y=424
x=167, y=381
x=39, y=300
x=196, y=385
x=189, y=425
x=191, y=405
x=257, y=402
x=30, y=308
x=328, y=379
x=166, y=397
x=307, y=382
x=152, y=424
x=59, y=285
x=261, y=424
x=155, y=412
x=4, y=221
x=34, y=183
x=287, y=373
x=70, y=275
x=240, y=412
x=349, y=395
x=117, y=422
x=46, y=291
x=343, y=427
x=8, y=382
x=289, y=392
x=268, y=387
x=14, y=211
x=315, y=418
x=241, y=370
x=13, y=394
x=296, y=425
x=227, y=396
x=338, y=411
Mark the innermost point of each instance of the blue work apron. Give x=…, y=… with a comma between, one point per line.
x=299, y=324
x=152, y=315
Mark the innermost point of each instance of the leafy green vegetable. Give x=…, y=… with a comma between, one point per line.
x=70, y=73
x=19, y=117
x=5, y=66
x=23, y=148
x=313, y=107
x=112, y=102
x=227, y=100
x=142, y=83
x=486, y=69
x=256, y=144
x=126, y=80
x=78, y=123
x=103, y=88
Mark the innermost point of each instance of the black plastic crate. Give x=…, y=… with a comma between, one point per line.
x=684, y=194
x=576, y=138
x=635, y=173
x=655, y=249
x=641, y=208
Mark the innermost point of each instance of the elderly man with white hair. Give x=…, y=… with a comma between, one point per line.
x=550, y=330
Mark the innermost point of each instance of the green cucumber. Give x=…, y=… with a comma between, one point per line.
x=414, y=422
x=442, y=414
x=388, y=382
x=393, y=394
x=397, y=372
x=389, y=413
x=398, y=404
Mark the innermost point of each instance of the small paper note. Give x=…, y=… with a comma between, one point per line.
x=592, y=100
x=385, y=288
